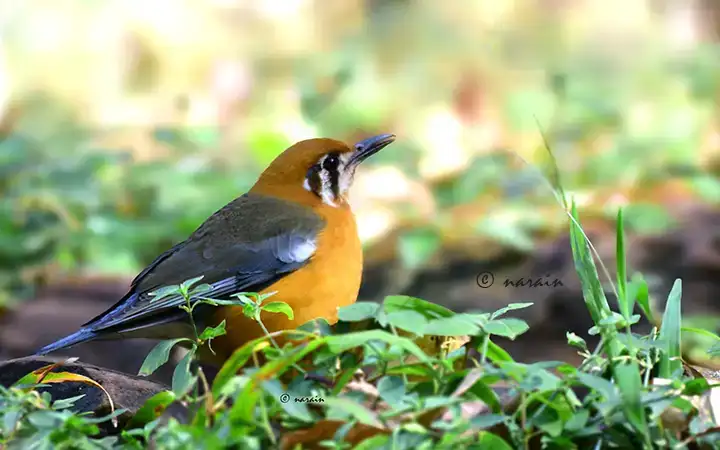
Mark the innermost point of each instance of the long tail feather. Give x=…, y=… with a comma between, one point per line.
x=83, y=335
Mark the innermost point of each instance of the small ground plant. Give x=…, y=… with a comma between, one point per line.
x=407, y=374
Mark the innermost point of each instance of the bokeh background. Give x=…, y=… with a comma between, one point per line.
x=124, y=124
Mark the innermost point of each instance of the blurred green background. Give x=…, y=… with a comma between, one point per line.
x=124, y=124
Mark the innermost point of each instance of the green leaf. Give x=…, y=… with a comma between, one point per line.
x=164, y=292
x=153, y=408
x=260, y=298
x=497, y=354
x=279, y=365
x=508, y=327
x=702, y=332
x=457, y=325
x=339, y=344
x=233, y=364
x=319, y=326
x=183, y=379
x=411, y=321
x=576, y=341
x=638, y=289
x=670, y=333
x=66, y=402
x=213, y=332
x=186, y=285
x=393, y=303
x=593, y=293
x=279, y=307
x=244, y=406
x=392, y=390
x=373, y=443
x=483, y=391
x=489, y=441
x=599, y=384
x=287, y=402
x=244, y=298
x=615, y=320
x=486, y=421
x=626, y=303
x=533, y=374
x=628, y=380
x=578, y=420
x=346, y=408
x=107, y=417
x=44, y=419
x=11, y=418
x=696, y=386
x=224, y=302
x=714, y=350
x=549, y=422
x=201, y=289
x=358, y=311
x=251, y=310
x=158, y=356
x=508, y=308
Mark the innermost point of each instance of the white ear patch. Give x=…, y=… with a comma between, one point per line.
x=306, y=185
x=346, y=174
x=326, y=192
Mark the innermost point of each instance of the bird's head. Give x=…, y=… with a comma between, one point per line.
x=317, y=171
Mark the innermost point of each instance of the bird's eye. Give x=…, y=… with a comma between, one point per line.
x=331, y=162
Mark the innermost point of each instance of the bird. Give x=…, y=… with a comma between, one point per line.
x=293, y=234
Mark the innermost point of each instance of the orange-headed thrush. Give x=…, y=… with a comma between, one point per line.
x=293, y=233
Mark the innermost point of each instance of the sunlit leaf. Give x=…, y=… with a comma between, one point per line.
x=279, y=307
x=159, y=355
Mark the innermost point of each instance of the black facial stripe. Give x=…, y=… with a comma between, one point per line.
x=335, y=182
x=313, y=177
x=327, y=168
x=331, y=164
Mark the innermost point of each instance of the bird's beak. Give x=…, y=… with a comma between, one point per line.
x=368, y=147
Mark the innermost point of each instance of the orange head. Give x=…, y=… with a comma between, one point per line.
x=317, y=172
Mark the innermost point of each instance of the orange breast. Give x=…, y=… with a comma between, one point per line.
x=331, y=279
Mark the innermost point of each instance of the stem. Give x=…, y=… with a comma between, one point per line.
x=263, y=408
x=192, y=319
x=208, y=396
x=403, y=359
x=267, y=333
x=486, y=344
x=275, y=344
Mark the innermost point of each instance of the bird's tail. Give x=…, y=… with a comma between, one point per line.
x=82, y=335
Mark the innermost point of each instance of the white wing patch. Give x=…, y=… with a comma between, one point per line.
x=303, y=251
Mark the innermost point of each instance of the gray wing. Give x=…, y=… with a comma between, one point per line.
x=246, y=246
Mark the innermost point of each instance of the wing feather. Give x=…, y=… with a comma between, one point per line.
x=232, y=250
